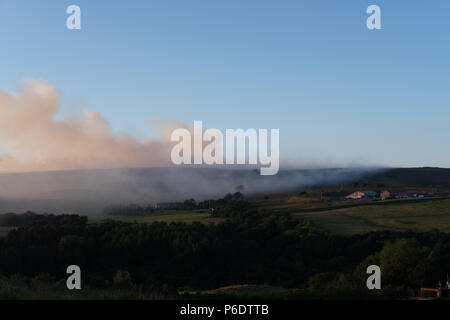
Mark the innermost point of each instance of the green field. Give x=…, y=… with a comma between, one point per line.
x=419, y=215
x=344, y=218
x=165, y=216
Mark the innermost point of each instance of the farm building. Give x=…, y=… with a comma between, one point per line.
x=361, y=195
x=370, y=194
x=355, y=195
x=386, y=194
x=399, y=194
x=402, y=195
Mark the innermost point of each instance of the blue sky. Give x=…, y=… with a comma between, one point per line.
x=339, y=93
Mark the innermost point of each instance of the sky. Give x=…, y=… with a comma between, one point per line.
x=341, y=95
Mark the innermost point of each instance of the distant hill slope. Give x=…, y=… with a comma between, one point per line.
x=411, y=177
x=89, y=191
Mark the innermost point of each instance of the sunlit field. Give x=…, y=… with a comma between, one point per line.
x=420, y=215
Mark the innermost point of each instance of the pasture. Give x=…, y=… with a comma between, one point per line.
x=399, y=215
x=168, y=216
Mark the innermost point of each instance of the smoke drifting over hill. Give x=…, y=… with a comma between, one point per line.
x=89, y=191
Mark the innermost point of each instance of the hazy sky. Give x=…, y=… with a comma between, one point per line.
x=339, y=93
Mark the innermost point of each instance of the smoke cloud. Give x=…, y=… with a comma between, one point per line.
x=38, y=142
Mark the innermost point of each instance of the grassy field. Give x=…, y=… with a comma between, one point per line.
x=19, y=288
x=166, y=216
x=246, y=291
x=340, y=217
x=420, y=215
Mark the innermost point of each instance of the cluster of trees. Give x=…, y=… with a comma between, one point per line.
x=251, y=247
x=221, y=207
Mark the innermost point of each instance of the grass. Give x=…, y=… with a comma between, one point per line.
x=19, y=288
x=245, y=291
x=339, y=224
x=166, y=216
x=346, y=218
x=419, y=215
